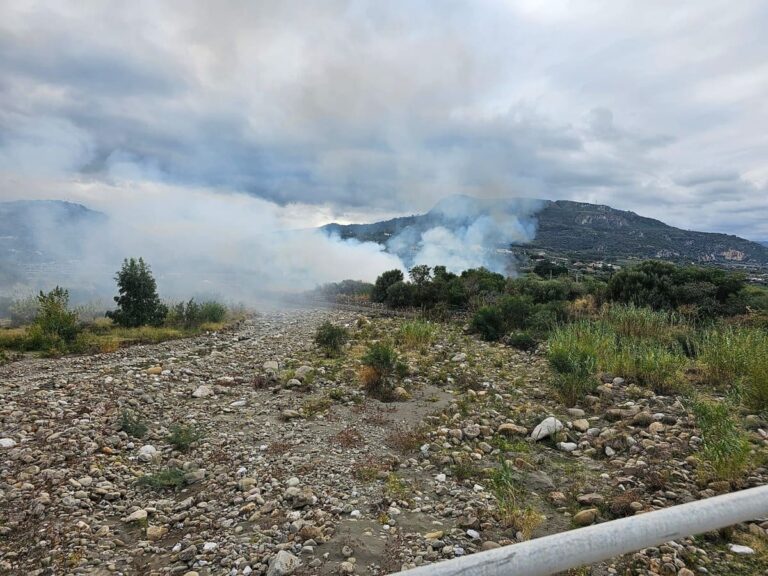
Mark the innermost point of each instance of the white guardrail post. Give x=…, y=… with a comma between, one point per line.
x=583, y=546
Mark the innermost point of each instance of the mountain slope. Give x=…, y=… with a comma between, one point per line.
x=37, y=235
x=581, y=230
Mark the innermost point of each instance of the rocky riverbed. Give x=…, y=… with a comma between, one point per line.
x=293, y=470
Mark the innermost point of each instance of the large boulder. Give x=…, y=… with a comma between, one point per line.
x=548, y=427
x=283, y=564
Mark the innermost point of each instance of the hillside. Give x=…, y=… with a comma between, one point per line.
x=582, y=230
x=38, y=234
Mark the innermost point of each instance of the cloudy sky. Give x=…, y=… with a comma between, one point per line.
x=354, y=110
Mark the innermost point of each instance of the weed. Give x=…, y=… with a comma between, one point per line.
x=311, y=407
x=406, y=440
x=168, y=478
x=466, y=470
x=396, y=488
x=522, y=341
x=508, y=494
x=132, y=424
x=381, y=366
x=350, y=437
x=279, y=447
x=183, y=436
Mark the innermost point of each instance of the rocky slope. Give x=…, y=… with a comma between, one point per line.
x=297, y=472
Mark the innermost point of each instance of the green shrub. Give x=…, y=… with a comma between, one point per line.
x=655, y=367
x=331, y=338
x=522, y=341
x=381, y=365
x=400, y=295
x=183, y=436
x=165, y=479
x=213, y=312
x=725, y=448
x=416, y=334
x=54, y=320
x=516, y=311
x=132, y=424
x=489, y=323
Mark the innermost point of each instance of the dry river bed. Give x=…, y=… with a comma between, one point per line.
x=297, y=472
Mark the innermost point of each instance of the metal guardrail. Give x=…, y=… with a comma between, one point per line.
x=584, y=546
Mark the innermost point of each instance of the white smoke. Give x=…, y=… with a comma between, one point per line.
x=199, y=243
x=463, y=232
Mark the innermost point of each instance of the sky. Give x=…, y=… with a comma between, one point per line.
x=359, y=110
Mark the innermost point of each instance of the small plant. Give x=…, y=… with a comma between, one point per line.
x=573, y=387
x=406, y=440
x=416, y=334
x=331, y=338
x=466, y=470
x=725, y=448
x=311, y=407
x=396, y=488
x=183, y=436
x=508, y=494
x=380, y=368
x=367, y=472
x=350, y=437
x=132, y=424
x=163, y=480
x=522, y=341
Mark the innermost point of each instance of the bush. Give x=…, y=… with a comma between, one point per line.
x=516, y=311
x=380, y=367
x=54, y=320
x=183, y=436
x=489, y=323
x=416, y=334
x=725, y=448
x=400, y=295
x=522, y=341
x=331, y=338
x=138, y=303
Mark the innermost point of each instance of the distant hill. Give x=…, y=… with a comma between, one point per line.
x=36, y=235
x=579, y=230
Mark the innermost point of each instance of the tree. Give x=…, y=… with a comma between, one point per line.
x=138, y=303
x=419, y=274
x=383, y=282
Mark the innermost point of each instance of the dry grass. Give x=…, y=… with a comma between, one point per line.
x=350, y=437
x=406, y=440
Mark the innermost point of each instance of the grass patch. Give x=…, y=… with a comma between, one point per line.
x=509, y=495
x=396, y=488
x=725, y=448
x=416, y=334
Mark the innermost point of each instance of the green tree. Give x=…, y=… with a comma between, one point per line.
x=383, y=282
x=138, y=303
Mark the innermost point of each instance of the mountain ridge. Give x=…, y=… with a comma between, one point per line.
x=583, y=230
